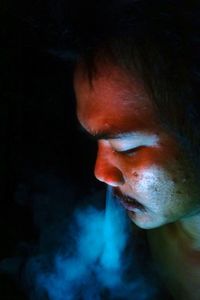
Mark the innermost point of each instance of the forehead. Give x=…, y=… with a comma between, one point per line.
x=112, y=101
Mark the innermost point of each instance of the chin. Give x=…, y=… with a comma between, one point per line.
x=145, y=221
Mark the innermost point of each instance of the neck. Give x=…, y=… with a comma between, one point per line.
x=190, y=226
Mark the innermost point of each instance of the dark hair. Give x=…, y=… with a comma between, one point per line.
x=160, y=42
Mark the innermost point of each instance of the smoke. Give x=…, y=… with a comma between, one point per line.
x=91, y=262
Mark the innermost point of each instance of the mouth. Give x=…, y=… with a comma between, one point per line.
x=129, y=203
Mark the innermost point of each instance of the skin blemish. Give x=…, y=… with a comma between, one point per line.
x=135, y=174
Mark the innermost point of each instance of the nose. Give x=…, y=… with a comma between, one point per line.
x=107, y=171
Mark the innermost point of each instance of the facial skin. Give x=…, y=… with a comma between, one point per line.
x=136, y=155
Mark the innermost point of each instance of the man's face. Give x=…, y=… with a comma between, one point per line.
x=144, y=164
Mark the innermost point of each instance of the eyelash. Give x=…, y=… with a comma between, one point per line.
x=130, y=151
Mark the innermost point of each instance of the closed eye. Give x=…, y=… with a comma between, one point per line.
x=130, y=151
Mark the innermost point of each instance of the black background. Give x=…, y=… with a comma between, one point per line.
x=39, y=130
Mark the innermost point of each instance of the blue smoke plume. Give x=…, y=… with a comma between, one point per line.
x=93, y=263
x=82, y=254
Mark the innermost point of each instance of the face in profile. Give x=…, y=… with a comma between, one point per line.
x=147, y=168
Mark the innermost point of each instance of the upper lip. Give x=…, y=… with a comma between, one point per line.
x=127, y=201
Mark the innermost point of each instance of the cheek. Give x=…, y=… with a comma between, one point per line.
x=153, y=185
x=164, y=192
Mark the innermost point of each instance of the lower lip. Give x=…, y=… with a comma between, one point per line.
x=133, y=205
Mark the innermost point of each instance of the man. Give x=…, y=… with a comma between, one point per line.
x=137, y=94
